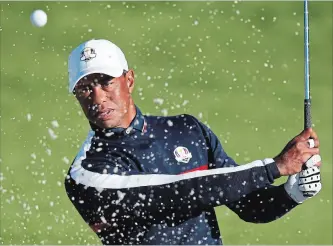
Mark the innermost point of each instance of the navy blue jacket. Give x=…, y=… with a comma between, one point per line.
x=158, y=181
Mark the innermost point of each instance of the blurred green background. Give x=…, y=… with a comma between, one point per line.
x=237, y=66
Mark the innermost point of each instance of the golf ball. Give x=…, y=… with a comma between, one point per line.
x=38, y=18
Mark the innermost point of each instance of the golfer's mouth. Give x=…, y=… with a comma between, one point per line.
x=104, y=115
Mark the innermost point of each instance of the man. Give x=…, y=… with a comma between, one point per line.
x=155, y=180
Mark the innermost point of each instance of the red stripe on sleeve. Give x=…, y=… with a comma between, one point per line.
x=204, y=167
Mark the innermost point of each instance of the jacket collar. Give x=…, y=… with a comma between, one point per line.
x=138, y=123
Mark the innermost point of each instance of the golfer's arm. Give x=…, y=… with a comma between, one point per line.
x=176, y=197
x=264, y=205
x=261, y=206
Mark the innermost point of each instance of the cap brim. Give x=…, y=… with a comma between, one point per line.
x=108, y=71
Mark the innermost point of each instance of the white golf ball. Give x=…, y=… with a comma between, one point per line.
x=38, y=18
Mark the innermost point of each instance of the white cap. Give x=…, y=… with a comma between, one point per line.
x=95, y=56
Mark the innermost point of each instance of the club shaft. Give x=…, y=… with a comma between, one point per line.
x=306, y=51
x=307, y=100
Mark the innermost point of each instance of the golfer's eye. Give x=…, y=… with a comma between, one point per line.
x=106, y=83
x=86, y=90
x=83, y=91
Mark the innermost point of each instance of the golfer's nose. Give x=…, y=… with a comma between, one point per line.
x=98, y=95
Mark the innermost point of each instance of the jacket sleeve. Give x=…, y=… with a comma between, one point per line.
x=118, y=196
x=259, y=206
x=171, y=197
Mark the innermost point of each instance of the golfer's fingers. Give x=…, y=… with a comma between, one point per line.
x=313, y=151
x=305, y=134
x=308, y=146
x=309, y=172
x=313, y=143
x=316, y=142
x=314, y=160
x=313, y=135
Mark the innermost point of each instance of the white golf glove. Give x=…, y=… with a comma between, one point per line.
x=305, y=184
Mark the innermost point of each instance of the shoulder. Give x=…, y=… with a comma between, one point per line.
x=82, y=152
x=181, y=120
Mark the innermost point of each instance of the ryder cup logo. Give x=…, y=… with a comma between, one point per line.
x=88, y=54
x=182, y=154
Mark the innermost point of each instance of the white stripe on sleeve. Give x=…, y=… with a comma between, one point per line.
x=114, y=181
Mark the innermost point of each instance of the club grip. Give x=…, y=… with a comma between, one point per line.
x=307, y=113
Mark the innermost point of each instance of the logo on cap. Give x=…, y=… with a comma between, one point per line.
x=182, y=154
x=87, y=54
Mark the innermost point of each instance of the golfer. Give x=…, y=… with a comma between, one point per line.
x=141, y=179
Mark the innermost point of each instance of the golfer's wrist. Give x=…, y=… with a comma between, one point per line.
x=280, y=166
x=272, y=169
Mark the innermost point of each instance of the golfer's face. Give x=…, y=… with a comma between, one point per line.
x=105, y=100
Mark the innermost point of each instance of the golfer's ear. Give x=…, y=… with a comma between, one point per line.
x=130, y=80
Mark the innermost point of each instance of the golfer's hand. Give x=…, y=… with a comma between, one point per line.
x=299, y=152
x=304, y=185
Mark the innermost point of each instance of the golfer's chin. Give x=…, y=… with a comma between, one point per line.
x=105, y=124
x=110, y=120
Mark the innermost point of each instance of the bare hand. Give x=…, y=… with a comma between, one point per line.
x=297, y=152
